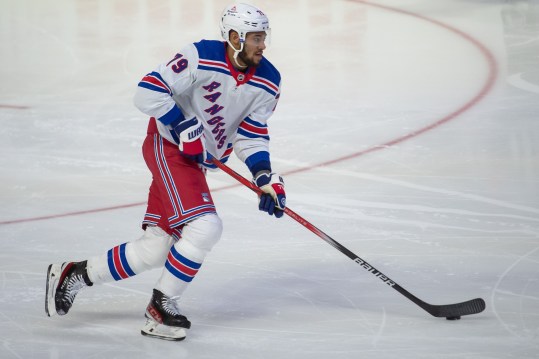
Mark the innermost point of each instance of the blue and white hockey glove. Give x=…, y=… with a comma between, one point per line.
x=273, y=200
x=191, y=135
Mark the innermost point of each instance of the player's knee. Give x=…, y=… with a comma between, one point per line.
x=204, y=232
x=151, y=249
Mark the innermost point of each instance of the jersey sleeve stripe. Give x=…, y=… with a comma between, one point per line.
x=249, y=134
x=173, y=114
x=262, y=131
x=152, y=87
x=154, y=81
x=253, y=122
x=258, y=161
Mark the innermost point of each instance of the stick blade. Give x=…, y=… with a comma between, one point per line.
x=473, y=306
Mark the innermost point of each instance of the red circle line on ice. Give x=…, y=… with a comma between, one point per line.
x=485, y=89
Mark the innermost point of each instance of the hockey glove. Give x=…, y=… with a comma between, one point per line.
x=273, y=200
x=191, y=135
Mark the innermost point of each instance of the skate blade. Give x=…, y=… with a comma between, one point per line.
x=53, y=276
x=160, y=331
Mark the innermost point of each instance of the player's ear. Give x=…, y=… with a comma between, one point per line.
x=234, y=37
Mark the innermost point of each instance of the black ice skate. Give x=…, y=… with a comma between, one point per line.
x=63, y=283
x=163, y=318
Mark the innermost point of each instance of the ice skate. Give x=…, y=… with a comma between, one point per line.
x=63, y=283
x=163, y=318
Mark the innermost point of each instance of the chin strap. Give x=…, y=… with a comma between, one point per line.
x=236, y=53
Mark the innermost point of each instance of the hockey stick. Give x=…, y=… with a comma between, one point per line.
x=449, y=311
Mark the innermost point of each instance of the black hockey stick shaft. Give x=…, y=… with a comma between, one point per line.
x=473, y=306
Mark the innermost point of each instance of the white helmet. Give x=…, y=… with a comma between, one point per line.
x=243, y=18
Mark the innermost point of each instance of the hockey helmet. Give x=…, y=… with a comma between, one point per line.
x=243, y=18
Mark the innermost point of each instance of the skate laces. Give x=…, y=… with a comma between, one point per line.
x=170, y=305
x=73, y=287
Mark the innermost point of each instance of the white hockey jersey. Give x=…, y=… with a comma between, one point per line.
x=234, y=107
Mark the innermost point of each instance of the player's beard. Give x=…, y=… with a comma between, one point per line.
x=247, y=61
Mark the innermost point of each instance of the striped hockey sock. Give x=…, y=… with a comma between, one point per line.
x=118, y=265
x=179, y=271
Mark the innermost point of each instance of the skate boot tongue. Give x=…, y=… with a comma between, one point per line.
x=170, y=305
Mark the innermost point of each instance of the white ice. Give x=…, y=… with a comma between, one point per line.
x=408, y=131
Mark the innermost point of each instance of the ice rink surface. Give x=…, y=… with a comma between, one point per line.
x=407, y=130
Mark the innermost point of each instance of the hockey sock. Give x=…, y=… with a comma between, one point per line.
x=186, y=256
x=129, y=259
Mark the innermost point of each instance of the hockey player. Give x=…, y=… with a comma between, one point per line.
x=211, y=98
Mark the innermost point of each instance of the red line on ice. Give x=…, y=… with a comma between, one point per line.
x=493, y=71
x=15, y=107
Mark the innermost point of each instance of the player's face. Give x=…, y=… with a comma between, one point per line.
x=255, y=44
